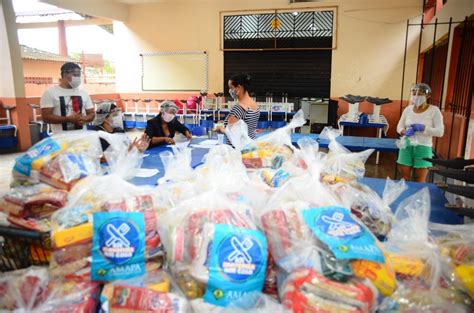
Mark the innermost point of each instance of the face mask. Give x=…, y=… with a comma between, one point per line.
x=75, y=82
x=117, y=122
x=168, y=117
x=233, y=94
x=417, y=101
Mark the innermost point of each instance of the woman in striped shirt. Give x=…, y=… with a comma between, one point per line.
x=245, y=109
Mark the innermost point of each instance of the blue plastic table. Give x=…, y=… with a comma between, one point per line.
x=439, y=214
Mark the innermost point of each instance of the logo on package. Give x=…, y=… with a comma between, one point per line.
x=338, y=224
x=239, y=258
x=119, y=240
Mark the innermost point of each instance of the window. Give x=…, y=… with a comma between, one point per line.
x=279, y=30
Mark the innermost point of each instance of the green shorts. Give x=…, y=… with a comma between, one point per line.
x=412, y=156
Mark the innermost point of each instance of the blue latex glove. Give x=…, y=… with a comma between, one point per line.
x=410, y=131
x=418, y=127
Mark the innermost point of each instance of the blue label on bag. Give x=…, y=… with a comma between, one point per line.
x=345, y=237
x=237, y=264
x=118, y=245
x=79, y=162
x=39, y=150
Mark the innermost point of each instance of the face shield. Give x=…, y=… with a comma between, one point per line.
x=419, y=94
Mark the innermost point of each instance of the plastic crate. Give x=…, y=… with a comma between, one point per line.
x=23, y=248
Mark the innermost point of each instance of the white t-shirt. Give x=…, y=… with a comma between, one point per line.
x=431, y=118
x=65, y=102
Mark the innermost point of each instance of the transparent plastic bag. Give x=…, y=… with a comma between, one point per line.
x=73, y=225
x=152, y=292
x=411, y=297
x=210, y=237
x=341, y=164
x=366, y=204
x=409, y=249
x=456, y=246
x=177, y=165
x=22, y=290
x=237, y=134
x=251, y=302
x=306, y=290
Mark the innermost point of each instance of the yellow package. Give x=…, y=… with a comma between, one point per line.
x=162, y=286
x=41, y=161
x=380, y=274
x=69, y=236
x=405, y=265
x=465, y=273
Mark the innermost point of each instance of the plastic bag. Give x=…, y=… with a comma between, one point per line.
x=268, y=151
x=213, y=248
x=456, y=246
x=408, y=248
x=251, y=302
x=32, y=290
x=104, y=210
x=306, y=290
x=365, y=204
x=341, y=164
x=22, y=289
x=152, y=292
x=411, y=297
x=177, y=165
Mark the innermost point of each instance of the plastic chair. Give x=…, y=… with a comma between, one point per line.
x=8, y=139
x=199, y=131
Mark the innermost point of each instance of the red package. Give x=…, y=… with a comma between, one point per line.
x=56, y=198
x=128, y=298
x=141, y=203
x=51, y=174
x=41, y=225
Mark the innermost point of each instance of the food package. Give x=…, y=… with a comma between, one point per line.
x=456, y=246
x=412, y=297
x=269, y=151
x=105, y=210
x=214, y=249
x=306, y=290
x=32, y=290
x=366, y=205
x=342, y=165
x=251, y=302
x=81, y=153
x=22, y=198
x=408, y=246
x=152, y=292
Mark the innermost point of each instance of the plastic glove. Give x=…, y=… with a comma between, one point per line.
x=418, y=127
x=410, y=131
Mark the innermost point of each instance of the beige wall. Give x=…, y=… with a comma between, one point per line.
x=34, y=68
x=368, y=59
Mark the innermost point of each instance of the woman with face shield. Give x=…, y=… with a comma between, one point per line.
x=419, y=123
x=108, y=118
x=162, y=128
x=246, y=108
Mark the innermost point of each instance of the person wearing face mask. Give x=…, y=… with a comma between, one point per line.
x=419, y=123
x=162, y=128
x=66, y=106
x=108, y=118
x=246, y=108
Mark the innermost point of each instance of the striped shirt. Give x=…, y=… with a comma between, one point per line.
x=249, y=116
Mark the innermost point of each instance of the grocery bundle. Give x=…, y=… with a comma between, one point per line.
x=262, y=226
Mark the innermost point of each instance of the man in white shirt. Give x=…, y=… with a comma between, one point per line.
x=66, y=106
